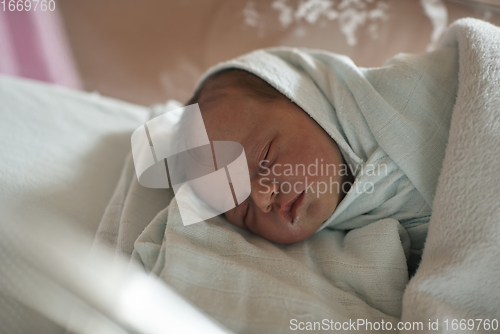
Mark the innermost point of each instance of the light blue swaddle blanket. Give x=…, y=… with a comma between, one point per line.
x=390, y=123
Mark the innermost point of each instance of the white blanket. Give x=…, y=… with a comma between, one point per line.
x=61, y=153
x=252, y=285
x=459, y=277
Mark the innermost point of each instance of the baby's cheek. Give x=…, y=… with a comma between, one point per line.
x=228, y=218
x=320, y=209
x=228, y=215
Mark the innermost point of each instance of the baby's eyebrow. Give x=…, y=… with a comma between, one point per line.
x=212, y=97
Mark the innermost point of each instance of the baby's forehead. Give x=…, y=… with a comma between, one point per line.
x=230, y=116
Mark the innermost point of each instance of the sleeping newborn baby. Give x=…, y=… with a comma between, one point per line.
x=281, y=143
x=331, y=145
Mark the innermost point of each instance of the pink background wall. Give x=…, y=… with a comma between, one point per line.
x=33, y=45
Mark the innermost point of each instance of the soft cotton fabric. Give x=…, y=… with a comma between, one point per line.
x=61, y=152
x=459, y=274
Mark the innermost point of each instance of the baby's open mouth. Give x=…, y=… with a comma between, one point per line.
x=291, y=209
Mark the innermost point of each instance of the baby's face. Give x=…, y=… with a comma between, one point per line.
x=289, y=199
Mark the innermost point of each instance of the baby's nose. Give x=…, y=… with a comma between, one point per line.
x=264, y=192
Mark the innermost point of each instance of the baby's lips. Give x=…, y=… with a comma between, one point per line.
x=289, y=211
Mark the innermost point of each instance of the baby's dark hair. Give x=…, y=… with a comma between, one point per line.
x=252, y=84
